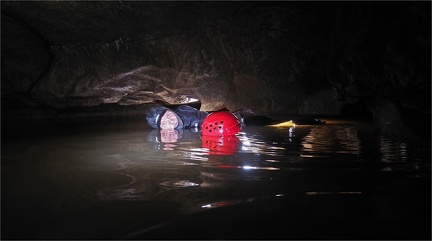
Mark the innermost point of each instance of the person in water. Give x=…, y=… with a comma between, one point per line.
x=187, y=117
x=216, y=129
x=183, y=116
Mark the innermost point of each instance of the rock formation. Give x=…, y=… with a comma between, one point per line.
x=306, y=58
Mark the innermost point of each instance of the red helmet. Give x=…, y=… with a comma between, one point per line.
x=221, y=145
x=221, y=123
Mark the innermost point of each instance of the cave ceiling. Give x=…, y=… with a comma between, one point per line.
x=89, y=22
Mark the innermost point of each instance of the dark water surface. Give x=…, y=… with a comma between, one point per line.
x=115, y=180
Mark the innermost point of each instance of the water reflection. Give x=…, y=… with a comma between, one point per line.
x=72, y=173
x=392, y=151
x=323, y=141
x=198, y=166
x=221, y=145
x=201, y=171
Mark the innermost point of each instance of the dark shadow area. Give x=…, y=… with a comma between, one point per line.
x=358, y=110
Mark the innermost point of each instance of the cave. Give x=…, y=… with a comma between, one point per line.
x=312, y=59
x=77, y=67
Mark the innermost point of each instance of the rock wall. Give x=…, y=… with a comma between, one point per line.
x=235, y=55
x=310, y=58
x=24, y=61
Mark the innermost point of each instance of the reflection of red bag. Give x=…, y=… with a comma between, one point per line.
x=221, y=145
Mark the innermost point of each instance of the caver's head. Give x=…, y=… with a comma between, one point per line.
x=160, y=117
x=221, y=123
x=169, y=120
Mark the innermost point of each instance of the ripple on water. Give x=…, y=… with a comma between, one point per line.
x=296, y=163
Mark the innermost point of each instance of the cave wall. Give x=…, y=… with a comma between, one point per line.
x=231, y=54
x=24, y=61
x=272, y=57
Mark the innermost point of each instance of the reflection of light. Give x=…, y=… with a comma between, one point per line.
x=259, y=147
x=260, y=168
x=291, y=132
x=303, y=155
x=179, y=183
x=308, y=146
x=280, y=195
x=246, y=142
x=220, y=204
x=184, y=99
x=198, y=158
x=189, y=100
x=276, y=148
x=391, y=152
x=194, y=153
x=199, y=149
x=185, y=183
x=323, y=140
x=269, y=160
